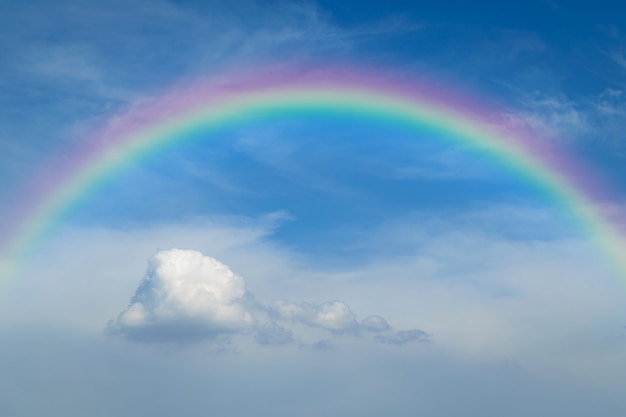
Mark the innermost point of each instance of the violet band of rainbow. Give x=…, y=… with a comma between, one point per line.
x=174, y=116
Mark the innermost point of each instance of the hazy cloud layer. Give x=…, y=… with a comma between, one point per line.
x=273, y=334
x=402, y=337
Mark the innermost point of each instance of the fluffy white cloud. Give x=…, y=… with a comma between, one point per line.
x=335, y=316
x=185, y=295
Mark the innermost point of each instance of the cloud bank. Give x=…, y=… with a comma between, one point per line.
x=186, y=297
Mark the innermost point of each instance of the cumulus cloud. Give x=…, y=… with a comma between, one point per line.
x=334, y=316
x=273, y=334
x=185, y=296
x=402, y=337
x=375, y=324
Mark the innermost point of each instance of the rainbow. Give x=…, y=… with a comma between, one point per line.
x=150, y=126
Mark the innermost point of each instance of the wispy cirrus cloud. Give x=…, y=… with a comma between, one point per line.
x=618, y=57
x=593, y=119
x=68, y=67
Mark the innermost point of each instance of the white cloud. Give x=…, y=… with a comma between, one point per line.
x=474, y=302
x=618, y=57
x=598, y=116
x=334, y=316
x=375, y=324
x=185, y=295
x=556, y=115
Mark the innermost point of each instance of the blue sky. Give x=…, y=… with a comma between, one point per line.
x=317, y=264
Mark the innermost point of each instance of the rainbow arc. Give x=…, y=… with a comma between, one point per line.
x=178, y=115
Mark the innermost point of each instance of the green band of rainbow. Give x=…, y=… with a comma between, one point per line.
x=176, y=117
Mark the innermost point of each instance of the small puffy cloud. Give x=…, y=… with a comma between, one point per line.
x=184, y=296
x=402, y=337
x=334, y=316
x=375, y=324
x=273, y=334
